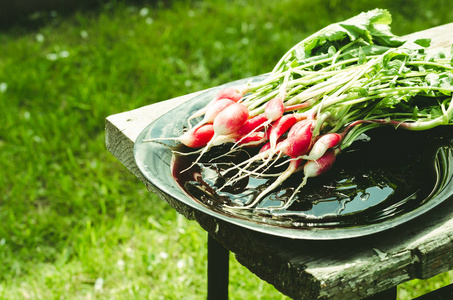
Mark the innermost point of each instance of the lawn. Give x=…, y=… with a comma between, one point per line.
x=75, y=223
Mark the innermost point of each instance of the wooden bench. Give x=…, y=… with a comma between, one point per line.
x=370, y=266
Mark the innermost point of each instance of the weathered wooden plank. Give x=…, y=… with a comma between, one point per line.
x=441, y=36
x=346, y=269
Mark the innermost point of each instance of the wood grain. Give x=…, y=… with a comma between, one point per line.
x=345, y=269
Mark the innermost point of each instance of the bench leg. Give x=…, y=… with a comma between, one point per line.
x=218, y=270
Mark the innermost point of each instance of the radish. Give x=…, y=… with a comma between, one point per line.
x=193, y=138
x=298, y=125
x=213, y=110
x=227, y=122
x=249, y=127
x=299, y=142
x=262, y=154
x=317, y=167
x=230, y=119
x=295, y=145
x=279, y=127
x=326, y=141
x=252, y=124
x=274, y=109
x=265, y=148
x=248, y=134
x=230, y=93
x=292, y=168
x=252, y=139
x=199, y=137
x=311, y=169
x=245, y=172
x=314, y=168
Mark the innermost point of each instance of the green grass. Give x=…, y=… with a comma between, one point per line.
x=75, y=223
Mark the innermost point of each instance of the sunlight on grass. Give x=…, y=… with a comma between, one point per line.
x=416, y=288
x=75, y=222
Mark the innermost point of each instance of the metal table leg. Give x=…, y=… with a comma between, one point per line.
x=218, y=270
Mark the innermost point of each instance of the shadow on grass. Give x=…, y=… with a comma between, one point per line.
x=32, y=14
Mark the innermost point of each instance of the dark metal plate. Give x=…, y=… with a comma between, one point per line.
x=373, y=186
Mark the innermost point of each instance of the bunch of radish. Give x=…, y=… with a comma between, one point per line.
x=321, y=96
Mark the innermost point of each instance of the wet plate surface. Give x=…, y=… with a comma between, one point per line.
x=386, y=179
